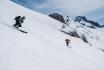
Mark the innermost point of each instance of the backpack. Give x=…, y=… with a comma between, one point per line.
x=22, y=19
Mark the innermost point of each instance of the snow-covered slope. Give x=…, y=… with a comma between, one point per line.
x=94, y=36
x=43, y=48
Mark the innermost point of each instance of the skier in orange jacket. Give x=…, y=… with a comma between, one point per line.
x=67, y=42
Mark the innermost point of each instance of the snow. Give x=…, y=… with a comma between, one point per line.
x=43, y=48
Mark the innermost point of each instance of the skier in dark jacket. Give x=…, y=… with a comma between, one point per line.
x=17, y=23
x=67, y=42
x=19, y=20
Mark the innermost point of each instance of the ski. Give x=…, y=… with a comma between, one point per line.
x=23, y=31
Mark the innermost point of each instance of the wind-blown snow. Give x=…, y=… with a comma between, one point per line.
x=43, y=48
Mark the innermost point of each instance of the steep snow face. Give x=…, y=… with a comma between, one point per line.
x=43, y=47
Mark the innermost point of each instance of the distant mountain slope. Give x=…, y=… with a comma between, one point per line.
x=93, y=36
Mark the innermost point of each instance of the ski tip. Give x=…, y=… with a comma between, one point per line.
x=23, y=31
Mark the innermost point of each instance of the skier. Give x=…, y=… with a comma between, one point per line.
x=67, y=42
x=19, y=20
x=17, y=23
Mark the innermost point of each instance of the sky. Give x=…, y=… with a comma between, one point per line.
x=92, y=9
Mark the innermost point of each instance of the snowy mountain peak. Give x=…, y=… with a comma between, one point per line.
x=84, y=21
